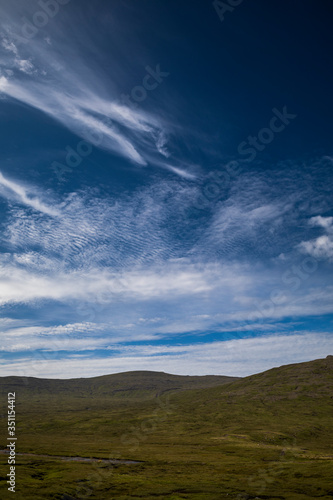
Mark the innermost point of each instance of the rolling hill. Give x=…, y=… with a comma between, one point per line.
x=132, y=385
x=267, y=436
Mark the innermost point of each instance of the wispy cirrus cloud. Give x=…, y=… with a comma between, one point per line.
x=21, y=285
x=79, y=113
x=13, y=190
x=234, y=358
x=142, y=255
x=58, y=82
x=97, y=230
x=123, y=254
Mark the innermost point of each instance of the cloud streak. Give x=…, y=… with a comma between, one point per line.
x=22, y=196
x=58, y=82
x=234, y=358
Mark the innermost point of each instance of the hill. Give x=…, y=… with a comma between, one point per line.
x=267, y=436
x=133, y=385
x=292, y=402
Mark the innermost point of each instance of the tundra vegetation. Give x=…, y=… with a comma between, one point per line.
x=267, y=436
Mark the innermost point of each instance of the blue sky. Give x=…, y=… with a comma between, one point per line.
x=165, y=186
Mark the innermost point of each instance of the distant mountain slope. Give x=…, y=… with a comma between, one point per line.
x=134, y=385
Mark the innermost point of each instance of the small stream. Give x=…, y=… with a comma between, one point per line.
x=74, y=459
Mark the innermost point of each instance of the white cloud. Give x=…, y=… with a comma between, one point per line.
x=161, y=144
x=96, y=285
x=233, y=358
x=10, y=46
x=3, y=83
x=181, y=172
x=140, y=257
x=22, y=194
x=92, y=230
x=25, y=65
x=87, y=106
x=54, y=344
x=60, y=80
x=18, y=337
x=142, y=251
x=37, y=331
x=326, y=222
x=321, y=247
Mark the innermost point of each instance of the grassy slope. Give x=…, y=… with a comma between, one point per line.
x=136, y=384
x=265, y=436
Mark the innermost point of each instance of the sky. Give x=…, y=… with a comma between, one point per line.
x=165, y=186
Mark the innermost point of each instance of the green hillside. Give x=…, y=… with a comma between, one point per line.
x=293, y=402
x=127, y=385
x=266, y=436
